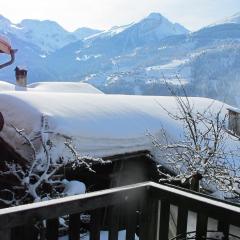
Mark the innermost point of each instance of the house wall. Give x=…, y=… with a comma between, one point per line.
x=234, y=122
x=122, y=170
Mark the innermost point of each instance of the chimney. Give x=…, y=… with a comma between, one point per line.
x=21, y=77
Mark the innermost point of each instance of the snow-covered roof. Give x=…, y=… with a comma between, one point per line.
x=99, y=125
x=77, y=87
x=233, y=109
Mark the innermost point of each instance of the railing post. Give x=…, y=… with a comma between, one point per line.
x=74, y=226
x=148, y=218
x=201, y=229
x=52, y=229
x=131, y=221
x=224, y=228
x=114, y=218
x=182, y=222
x=95, y=224
x=164, y=219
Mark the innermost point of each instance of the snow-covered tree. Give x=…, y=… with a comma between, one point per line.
x=36, y=177
x=205, y=151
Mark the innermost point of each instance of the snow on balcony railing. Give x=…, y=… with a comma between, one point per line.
x=143, y=210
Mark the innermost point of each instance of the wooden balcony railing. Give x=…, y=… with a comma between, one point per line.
x=145, y=210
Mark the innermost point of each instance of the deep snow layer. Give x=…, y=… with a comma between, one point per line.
x=99, y=124
x=76, y=87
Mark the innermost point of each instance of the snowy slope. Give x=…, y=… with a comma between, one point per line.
x=85, y=32
x=232, y=19
x=46, y=34
x=100, y=52
x=155, y=26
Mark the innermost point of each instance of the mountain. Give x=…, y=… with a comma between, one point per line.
x=85, y=32
x=234, y=19
x=5, y=25
x=148, y=31
x=47, y=35
x=98, y=53
x=137, y=58
x=205, y=61
x=155, y=26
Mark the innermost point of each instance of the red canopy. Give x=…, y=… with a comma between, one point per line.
x=5, y=47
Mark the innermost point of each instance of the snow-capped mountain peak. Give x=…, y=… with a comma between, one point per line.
x=47, y=35
x=155, y=16
x=163, y=25
x=151, y=28
x=42, y=24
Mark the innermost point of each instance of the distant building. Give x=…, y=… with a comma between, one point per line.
x=234, y=120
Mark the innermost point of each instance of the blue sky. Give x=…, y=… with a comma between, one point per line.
x=103, y=14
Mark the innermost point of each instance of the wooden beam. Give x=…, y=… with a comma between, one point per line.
x=24, y=215
x=129, y=155
x=20, y=215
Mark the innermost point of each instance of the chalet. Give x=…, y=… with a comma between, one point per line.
x=73, y=131
x=113, y=128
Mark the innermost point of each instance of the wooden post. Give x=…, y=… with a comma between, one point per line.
x=74, y=226
x=113, y=231
x=201, y=230
x=52, y=229
x=182, y=222
x=224, y=228
x=131, y=221
x=148, y=219
x=95, y=224
x=164, y=219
